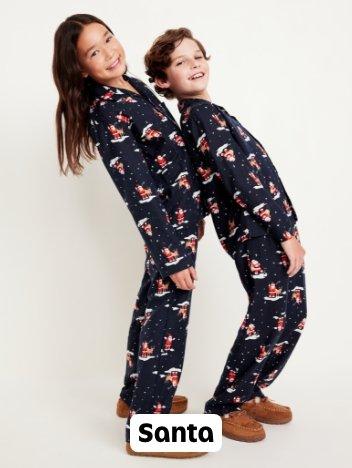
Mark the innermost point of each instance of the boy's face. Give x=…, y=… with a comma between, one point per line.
x=188, y=73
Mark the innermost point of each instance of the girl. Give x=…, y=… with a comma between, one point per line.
x=256, y=224
x=142, y=149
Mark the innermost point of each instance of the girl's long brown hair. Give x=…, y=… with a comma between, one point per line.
x=73, y=107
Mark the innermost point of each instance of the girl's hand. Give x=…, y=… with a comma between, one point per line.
x=295, y=253
x=184, y=279
x=201, y=227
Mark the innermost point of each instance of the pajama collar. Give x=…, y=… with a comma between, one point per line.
x=97, y=90
x=184, y=103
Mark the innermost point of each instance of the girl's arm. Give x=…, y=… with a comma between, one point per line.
x=124, y=160
x=207, y=136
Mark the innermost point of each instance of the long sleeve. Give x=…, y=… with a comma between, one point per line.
x=211, y=134
x=125, y=161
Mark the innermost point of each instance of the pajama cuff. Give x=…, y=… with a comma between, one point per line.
x=186, y=261
x=281, y=234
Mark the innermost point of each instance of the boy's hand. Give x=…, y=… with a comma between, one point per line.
x=201, y=229
x=295, y=253
x=185, y=279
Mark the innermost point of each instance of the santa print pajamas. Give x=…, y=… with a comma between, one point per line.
x=252, y=215
x=142, y=149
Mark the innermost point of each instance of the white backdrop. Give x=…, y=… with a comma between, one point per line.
x=72, y=259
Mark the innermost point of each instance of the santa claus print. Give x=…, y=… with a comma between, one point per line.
x=162, y=162
x=297, y=294
x=121, y=117
x=206, y=174
x=118, y=165
x=256, y=180
x=264, y=153
x=171, y=375
x=127, y=100
x=279, y=347
x=191, y=242
x=257, y=271
x=251, y=332
x=145, y=352
x=202, y=143
x=263, y=353
x=144, y=319
x=172, y=256
x=144, y=193
x=167, y=344
x=253, y=162
x=182, y=181
x=180, y=215
x=220, y=122
x=243, y=133
x=300, y=326
x=280, y=321
x=283, y=258
x=263, y=212
x=162, y=287
x=239, y=200
x=145, y=226
x=161, y=116
x=287, y=207
x=129, y=358
x=274, y=190
x=232, y=228
x=117, y=134
x=182, y=309
x=158, y=408
x=185, y=114
x=226, y=152
x=196, y=196
x=149, y=133
x=177, y=138
x=231, y=375
x=273, y=292
x=271, y=376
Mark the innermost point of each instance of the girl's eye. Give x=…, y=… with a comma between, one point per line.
x=179, y=63
x=106, y=41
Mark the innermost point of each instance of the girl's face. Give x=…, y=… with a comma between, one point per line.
x=188, y=73
x=100, y=54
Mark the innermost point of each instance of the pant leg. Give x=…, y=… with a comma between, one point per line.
x=161, y=346
x=138, y=316
x=263, y=275
x=292, y=327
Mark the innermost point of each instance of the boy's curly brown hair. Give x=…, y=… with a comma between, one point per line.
x=157, y=59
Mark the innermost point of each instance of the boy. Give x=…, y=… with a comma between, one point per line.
x=256, y=224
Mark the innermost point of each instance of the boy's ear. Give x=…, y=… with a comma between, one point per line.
x=162, y=83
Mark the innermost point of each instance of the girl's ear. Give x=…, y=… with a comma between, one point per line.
x=164, y=84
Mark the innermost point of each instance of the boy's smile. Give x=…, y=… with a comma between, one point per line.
x=188, y=73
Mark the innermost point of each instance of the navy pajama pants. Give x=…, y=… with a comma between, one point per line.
x=156, y=343
x=273, y=323
x=266, y=337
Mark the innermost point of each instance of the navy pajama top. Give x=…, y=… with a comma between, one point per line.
x=223, y=150
x=141, y=146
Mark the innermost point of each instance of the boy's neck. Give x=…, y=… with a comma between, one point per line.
x=202, y=95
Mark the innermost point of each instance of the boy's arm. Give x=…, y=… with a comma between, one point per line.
x=124, y=160
x=231, y=162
